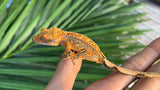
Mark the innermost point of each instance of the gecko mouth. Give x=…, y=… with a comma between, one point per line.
x=34, y=39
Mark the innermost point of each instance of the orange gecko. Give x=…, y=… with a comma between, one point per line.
x=78, y=46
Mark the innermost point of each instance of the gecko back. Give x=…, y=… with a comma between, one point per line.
x=85, y=47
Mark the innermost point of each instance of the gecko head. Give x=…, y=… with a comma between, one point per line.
x=48, y=37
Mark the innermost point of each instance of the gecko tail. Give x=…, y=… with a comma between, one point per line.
x=137, y=73
x=126, y=71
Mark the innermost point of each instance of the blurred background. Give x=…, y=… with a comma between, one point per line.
x=121, y=28
x=152, y=9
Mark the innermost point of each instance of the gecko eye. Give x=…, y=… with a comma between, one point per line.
x=42, y=39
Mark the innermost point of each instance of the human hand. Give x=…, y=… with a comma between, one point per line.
x=66, y=72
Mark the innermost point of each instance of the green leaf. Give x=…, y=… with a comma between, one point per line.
x=75, y=14
x=50, y=19
x=20, y=85
x=22, y=37
x=68, y=13
x=8, y=21
x=3, y=5
x=8, y=37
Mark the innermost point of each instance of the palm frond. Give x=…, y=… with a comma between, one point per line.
x=110, y=23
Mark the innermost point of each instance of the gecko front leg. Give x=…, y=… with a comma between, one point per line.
x=72, y=52
x=68, y=53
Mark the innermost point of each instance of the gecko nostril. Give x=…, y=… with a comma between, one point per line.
x=32, y=39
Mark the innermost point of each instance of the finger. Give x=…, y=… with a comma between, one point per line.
x=149, y=83
x=64, y=76
x=139, y=62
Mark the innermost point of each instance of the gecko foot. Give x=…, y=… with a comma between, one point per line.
x=66, y=56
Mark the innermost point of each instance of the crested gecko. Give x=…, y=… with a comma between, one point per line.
x=78, y=46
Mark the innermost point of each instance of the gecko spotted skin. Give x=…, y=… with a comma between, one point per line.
x=78, y=46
